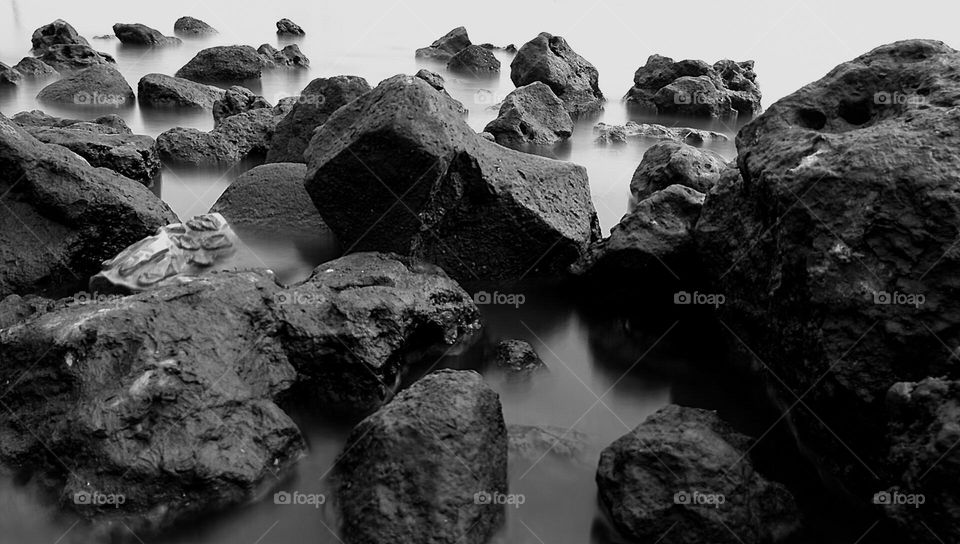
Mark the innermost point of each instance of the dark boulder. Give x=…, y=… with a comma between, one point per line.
x=670, y=163
x=518, y=359
x=9, y=76
x=474, y=60
x=73, y=57
x=434, y=79
x=237, y=100
x=684, y=476
x=445, y=47
x=286, y=27
x=58, y=32
x=313, y=107
x=34, y=68
x=75, y=216
x=288, y=57
x=531, y=114
x=190, y=27
x=271, y=197
x=835, y=248
x=398, y=170
x=419, y=469
x=99, y=86
x=224, y=64
x=132, y=155
x=550, y=59
x=163, y=91
x=138, y=34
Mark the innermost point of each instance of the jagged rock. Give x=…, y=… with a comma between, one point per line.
x=272, y=197
x=8, y=76
x=286, y=27
x=138, y=34
x=476, y=209
x=58, y=32
x=316, y=103
x=237, y=100
x=518, y=359
x=73, y=57
x=434, y=79
x=97, y=86
x=474, y=60
x=288, y=57
x=132, y=155
x=443, y=422
x=684, y=476
x=163, y=91
x=75, y=215
x=669, y=163
x=34, y=67
x=835, y=247
x=619, y=134
x=550, y=59
x=445, y=47
x=107, y=124
x=191, y=28
x=531, y=114
x=226, y=63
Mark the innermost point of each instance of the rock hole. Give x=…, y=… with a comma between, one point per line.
x=812, y=119
x=856, y=113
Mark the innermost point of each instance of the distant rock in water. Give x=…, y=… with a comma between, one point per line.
x=531, y=114
x=518, y=359
x=32, y=67
x=426, y=467
x=288, y=57
x=226, y=63
x=107, y=124
x=138, y=34
x=669, y=163
x=474, y=60
x=237, y=100
x=58, y=32
x=726, y=91
x=684, y=476
x=70, y=58
x=550, y=59
x=620, y=134
x=476, y=209
x=445, y=47
x=190, y=28
x=271, y=197
x=286, y=27
x=315, y=104
x=100, y=86
x=163, y=91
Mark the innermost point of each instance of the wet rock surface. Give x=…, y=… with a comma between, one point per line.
x=271, y=196
x=672, y=163
x=73, y=57
x=163, y=91
x=531, y=114
x=190, y=27
x=142, y=35
x=226, y=63
x=58, y=32
x=287, y=27
x=474, y=60
x=237, y=100
x=445, y=47
x=132, y=155
x=550, y=59
x=620, y=134
x=518, y=359
x=100, y=86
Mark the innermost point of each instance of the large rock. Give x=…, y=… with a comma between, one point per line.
x=836, y=251
x=399, y=170
x=621, y=134
x=100, y=86
x=63, y=217
x=138, y=34
x=683, y=476
x=73, y=57
x=474, y=60
x=550, y=59
x=313, y=107
x=288, y=57
x=163, y=91
x=670, y=163
x=132, y=155
x=271, y=197
x=224, y=64
x=286, y=27
x=419, y=469
x=58, y=32
x=531, y=114
x=237, y=100
x=445, y=47
x=651, y=248
x=190, y=27
x=727, y=90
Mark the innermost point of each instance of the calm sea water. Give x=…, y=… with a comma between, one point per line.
x=598, y=383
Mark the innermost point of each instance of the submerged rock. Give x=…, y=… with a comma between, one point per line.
x=76, y=216
x=670, y=163
x=474, y=60
x=445, y=47
x=132, y=155
x=315, y=104
x=58, y=32
x=225, y=63
x=190, y=27
x=684, y=476
x=474, y=208
x=518, y=359
x=286, y=27
x=99, y=86
x=237, y=100
x=443, y=423
x=138, y=34
x=70, y=58
x=550, y=60
x=619, y=134
x=531, y=114
x=163, y=91
x=272, y=197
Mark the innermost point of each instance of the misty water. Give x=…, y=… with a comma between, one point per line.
x=608, y=371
